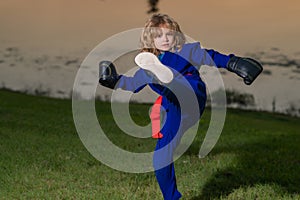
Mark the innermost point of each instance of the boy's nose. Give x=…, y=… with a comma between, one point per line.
x=166, y=38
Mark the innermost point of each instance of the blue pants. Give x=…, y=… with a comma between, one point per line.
x=177, y=120
x=166, y=175
x=175, y=125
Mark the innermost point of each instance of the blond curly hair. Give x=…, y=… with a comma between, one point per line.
x=152, y=29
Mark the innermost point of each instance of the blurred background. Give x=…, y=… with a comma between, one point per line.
x=43, y=43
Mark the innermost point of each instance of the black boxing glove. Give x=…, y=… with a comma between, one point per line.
x=108, y=76
x=247, y=68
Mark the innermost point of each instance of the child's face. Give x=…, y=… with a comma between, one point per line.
x=165, y=40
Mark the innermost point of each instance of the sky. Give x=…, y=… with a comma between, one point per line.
x=229, y=26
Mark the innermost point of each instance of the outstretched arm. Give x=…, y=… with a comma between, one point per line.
x=198, y=56
x=247, y=68
x=219, y=60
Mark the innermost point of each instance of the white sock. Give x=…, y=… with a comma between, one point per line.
x=150, y=62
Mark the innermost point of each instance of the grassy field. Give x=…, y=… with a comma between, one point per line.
x=42, y=157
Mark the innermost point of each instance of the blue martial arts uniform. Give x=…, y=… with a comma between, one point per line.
x=187, y=62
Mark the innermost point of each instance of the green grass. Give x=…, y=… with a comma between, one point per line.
x=42, y=157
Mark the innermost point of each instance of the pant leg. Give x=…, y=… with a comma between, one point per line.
x=167, y=182
x=176, y=123
x=163, y=155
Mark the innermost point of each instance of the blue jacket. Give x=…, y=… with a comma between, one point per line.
x=187, y=62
